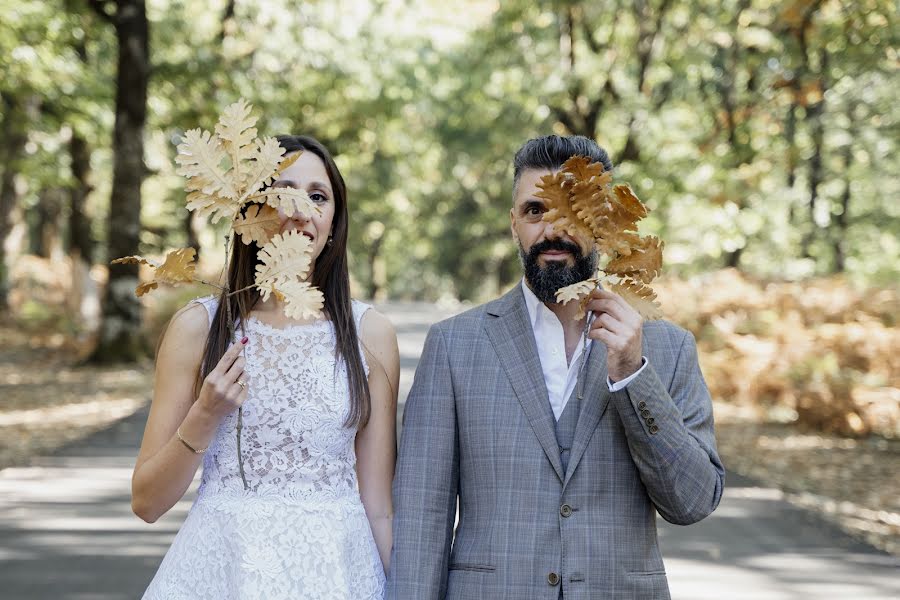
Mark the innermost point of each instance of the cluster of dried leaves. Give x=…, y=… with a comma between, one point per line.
x=819, y=353
x=229, y=174
x=582, y=201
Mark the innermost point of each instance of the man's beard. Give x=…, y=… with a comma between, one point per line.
x=557, y=274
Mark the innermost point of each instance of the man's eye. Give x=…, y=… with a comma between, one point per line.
x=533, y=211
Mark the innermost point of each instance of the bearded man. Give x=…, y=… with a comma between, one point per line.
x=557, y=471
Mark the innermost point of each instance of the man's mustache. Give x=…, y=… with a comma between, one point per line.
x=560, y=245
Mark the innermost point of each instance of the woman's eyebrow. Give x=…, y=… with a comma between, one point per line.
x=320, y=185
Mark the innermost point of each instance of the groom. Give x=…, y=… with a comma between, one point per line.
x=558, y=471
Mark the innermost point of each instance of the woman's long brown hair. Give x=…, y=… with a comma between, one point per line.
x=330, y=275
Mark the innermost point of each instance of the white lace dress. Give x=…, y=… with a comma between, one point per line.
x=300, y=531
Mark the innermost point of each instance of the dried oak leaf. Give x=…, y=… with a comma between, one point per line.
x=301, y=299
x=643, y=264
x=577, y=291
x=640, y=297
x=201, y=157
x=286, y=257
x=258, y=224
x=237, y=133
x=178, y=267
x=555, y=190
x=581, y=168
x=263, y=166
x=287, y=200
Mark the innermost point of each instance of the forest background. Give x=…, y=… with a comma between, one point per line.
x=762, y=134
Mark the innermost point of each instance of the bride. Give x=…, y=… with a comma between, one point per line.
x=304, y=511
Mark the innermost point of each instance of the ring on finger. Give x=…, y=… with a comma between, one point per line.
x=242, y=383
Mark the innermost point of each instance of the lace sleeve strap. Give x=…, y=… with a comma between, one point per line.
x=210, y=303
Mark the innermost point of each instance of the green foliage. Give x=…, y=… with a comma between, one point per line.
x=742, y=123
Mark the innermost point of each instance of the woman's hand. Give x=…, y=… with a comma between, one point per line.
x=224, y=389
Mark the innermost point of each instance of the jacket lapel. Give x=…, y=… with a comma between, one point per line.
x=593, y=404
x=512, y=336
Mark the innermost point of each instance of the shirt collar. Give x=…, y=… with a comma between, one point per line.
x=532, y=303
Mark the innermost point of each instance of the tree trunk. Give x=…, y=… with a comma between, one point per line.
x=80, y=242
x=13, y=144
x=841, y=220
x=44, y=235
x=119, y=336
x=375, y=274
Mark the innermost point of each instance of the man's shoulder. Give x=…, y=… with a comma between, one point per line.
x=662, y=329
x=665, y=340
x=467, y=321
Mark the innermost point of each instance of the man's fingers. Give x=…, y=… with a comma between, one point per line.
x=610, y=323
x=607, y=305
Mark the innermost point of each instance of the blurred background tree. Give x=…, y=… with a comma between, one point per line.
x=762, y=133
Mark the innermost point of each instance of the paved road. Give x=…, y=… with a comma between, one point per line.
x=66, y=529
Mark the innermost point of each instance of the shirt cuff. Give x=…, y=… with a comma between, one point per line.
x=620, y=385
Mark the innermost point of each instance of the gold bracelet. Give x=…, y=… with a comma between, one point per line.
x=188, y=446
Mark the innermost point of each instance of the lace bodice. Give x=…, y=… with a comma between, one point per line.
x=294, y=442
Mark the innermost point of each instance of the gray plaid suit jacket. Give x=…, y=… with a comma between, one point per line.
x=478, y=429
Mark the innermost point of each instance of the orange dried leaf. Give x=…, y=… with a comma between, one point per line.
x=134, y=260
x=145, y=287
x=643, y=264
x=640, y=297
x=258, y=224
x=178, y=267
x=555, y=191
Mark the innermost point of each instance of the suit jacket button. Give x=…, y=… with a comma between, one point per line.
x=553, y=578
x=565, y=510
x=654, y=429
x=650, y=420
x=645, y=413
x=642, y=405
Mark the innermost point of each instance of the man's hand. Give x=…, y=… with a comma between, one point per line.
x=618, y=326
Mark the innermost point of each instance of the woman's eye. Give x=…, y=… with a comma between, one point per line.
x=318, y=197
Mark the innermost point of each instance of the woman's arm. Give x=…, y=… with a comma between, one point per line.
x=376, y=443
x=165, y=466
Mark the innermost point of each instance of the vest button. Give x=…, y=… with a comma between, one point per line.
x=565, y=510
x=553, y=578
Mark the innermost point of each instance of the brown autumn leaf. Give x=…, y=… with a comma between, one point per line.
x=134, y=260
x=643, y=264
x=640, y=297
x=555, y=191
x=582, y=201
x=258, y=224
x=178, y=267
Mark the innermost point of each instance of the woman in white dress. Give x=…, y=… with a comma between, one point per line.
x=310, y=515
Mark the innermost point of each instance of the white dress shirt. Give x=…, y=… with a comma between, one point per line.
x=560, y=376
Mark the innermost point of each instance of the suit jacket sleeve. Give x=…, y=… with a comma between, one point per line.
x=670, y=435
x=426, y=481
